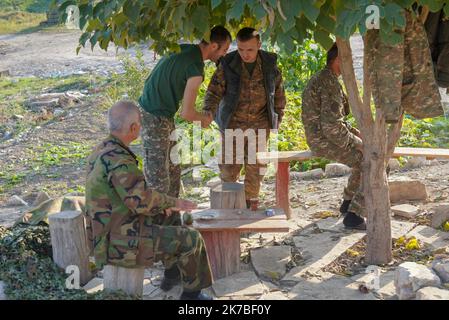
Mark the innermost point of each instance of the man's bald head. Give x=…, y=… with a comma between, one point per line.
x=122, y=115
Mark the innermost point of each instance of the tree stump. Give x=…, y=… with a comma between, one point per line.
x=225, y=257
x=126, y=279
x=223, y=250
x=69, y=242
x=228, y=195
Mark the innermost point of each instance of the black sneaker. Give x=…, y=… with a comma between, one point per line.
x=353, y=221
x=172, y=277
x=196, y=295
x=345, y=206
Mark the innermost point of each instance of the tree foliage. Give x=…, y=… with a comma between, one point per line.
x=284, y=22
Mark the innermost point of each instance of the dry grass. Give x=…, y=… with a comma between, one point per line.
x=19, y=21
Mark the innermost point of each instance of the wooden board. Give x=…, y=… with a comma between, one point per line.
x=422, y=152
x=246, y=221
x=303, y=155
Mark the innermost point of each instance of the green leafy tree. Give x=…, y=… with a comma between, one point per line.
x=286, y=23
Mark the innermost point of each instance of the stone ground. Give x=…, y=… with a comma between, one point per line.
x=317, y=259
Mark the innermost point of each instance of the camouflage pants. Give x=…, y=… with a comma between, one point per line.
x=401, y=75
x=254, y=172
x=352, y=158
x=160, y=172
x=176, y=245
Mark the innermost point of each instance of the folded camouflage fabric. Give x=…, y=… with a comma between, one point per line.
x=52, y=206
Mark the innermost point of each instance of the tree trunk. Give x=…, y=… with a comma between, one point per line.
x=374, y=179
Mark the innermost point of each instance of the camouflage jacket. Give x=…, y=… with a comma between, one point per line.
x=235, y=97
x=324, y=108
x=119, y=204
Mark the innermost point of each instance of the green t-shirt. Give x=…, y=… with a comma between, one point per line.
x=165, y=86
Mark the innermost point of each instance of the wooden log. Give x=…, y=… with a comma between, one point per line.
x=282, y=188
x=223, y=250
x=69, y=242
x=127, y=279
x=228, y=195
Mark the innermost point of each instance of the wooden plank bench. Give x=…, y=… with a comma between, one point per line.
x=222, y=234
x=283, y=159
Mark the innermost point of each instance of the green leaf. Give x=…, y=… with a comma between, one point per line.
x=200, y=19
x=236, y=11
x=322, y=37
x=131, y=9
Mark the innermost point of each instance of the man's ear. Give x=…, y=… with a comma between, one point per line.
x=259, y=44
x=214, y=46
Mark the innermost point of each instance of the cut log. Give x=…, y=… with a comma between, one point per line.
x=223, y=250
x=69, y=242
x=228, y=195
x=126, y=279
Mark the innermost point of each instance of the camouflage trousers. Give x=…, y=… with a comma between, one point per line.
x=401, y=75
x=352, y=158
x=160, y=172
x=178, y=246
x=231, y=165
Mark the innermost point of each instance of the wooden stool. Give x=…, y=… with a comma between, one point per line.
x=69, y=242
x=127, y=279
x=228, y=195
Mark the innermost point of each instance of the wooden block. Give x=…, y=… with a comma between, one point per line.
x=126, y=279
x=223, y=250
x=228, y=195
x=69, y=242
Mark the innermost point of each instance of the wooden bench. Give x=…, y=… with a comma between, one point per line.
x=284, y=157
x=222, y=234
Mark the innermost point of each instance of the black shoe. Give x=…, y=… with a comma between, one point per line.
x=345, y=206
x=353, y=221
x=172, y=277
x=196, y=295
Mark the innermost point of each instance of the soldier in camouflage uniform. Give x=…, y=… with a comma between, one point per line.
x=125, y=214
x=176, y=77
x=246, y=92
x=324, y=107
x=401, y=75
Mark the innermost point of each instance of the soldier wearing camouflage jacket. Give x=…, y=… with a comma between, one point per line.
x=324, y=108
x=246, y=92
x=126, y=223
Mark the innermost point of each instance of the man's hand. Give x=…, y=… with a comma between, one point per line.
x=358, y=143
x=181, y=205
x=206, y=119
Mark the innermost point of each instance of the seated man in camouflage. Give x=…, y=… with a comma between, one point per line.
x=324, y=107
x=123, y=211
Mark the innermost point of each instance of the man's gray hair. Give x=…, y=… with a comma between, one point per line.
x=121, y=115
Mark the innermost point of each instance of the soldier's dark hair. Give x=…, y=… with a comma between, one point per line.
x=332, y=54
x=219, y=35
x=247, y=33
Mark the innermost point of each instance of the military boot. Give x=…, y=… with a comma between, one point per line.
x=172, y=277
x=353, y=221
x=344, y=207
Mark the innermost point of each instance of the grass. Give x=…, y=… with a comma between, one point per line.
x=15, y=22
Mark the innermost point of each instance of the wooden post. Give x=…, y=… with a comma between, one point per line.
x=282, y=188
x=69, y=242
x=228, y=195
x=127, y=279
x=223, y=250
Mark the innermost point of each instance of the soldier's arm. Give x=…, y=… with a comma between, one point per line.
x=129, y=183
x=188, y=111
x=279, y=96
x=215, y=91
x=332, y=118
